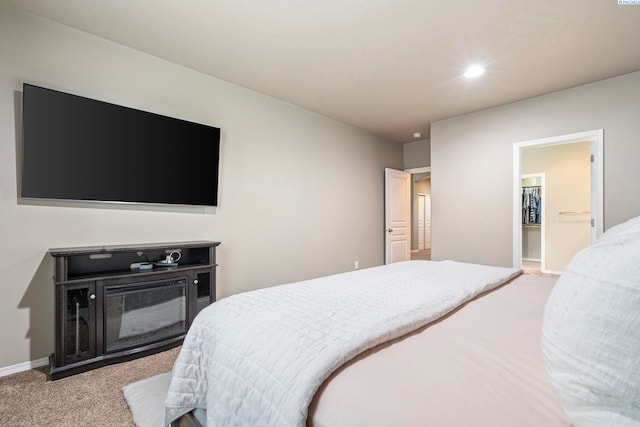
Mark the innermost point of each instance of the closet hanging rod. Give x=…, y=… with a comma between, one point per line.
x=573, y=212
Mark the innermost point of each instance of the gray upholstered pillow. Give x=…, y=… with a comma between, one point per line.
x=591, y=333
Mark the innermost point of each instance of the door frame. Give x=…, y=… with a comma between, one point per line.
x=415, y=171
x=426, y=169
x=596, y=139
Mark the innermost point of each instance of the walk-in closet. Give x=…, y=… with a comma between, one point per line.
x=532, y=186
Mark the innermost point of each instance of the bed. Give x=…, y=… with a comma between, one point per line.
x=474, y=358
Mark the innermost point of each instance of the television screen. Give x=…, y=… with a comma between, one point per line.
x=75, y=148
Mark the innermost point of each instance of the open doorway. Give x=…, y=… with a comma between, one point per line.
x=572, y=212
x=420, y=213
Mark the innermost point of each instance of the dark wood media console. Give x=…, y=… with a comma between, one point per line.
x=108, y=310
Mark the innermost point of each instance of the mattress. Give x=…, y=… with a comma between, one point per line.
x=481, y=365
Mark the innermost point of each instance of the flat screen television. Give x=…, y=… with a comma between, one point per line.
x=80, y=149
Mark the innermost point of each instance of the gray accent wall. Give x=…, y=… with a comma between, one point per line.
x=472, y=171
x=417, y=154
x=301, y=195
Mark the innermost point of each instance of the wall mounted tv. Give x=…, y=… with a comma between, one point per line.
x=80, y=149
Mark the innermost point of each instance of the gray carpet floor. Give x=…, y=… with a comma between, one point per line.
x=92, y=398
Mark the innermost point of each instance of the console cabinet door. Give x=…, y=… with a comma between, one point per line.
x=204, y=290
x=77, y=313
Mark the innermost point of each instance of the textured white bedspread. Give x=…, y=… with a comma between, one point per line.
x=257, y=359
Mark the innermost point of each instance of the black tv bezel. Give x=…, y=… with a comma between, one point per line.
x=212, y=202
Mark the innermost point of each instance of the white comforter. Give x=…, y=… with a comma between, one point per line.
x=257, y=358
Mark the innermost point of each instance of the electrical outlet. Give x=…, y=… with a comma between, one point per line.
x=356, y=265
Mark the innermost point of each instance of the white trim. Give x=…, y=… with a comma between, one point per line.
x=597, y=182
x=596, y=137
x=419, y=170
x=531, y=259
x=24, y=366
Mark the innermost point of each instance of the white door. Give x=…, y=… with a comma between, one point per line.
x=397, y=215
x=424, y=221
x=421, y=221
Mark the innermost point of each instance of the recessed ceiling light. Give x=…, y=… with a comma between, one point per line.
x=417, y=135
x=474, y=71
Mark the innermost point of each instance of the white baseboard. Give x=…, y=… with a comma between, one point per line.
x=24, y=366
x=532, y=259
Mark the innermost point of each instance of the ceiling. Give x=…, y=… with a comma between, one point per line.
x=391, y=67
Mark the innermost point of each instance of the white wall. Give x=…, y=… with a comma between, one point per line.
x=300, y=196
x=471, y=158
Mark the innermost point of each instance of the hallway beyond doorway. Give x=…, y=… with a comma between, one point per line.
x=422, y=254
